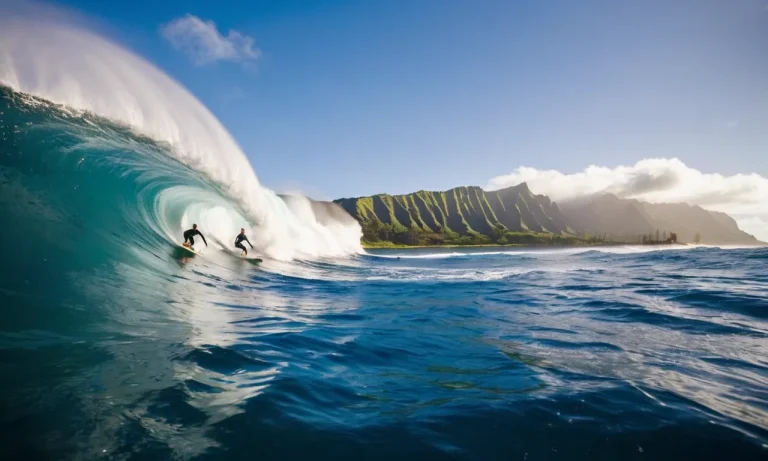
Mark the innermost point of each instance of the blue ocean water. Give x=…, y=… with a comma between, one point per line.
x=115, y=344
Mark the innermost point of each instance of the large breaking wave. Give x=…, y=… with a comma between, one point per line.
x=79, y=101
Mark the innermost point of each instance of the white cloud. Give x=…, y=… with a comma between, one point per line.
x=743, y=196
x=202, y=42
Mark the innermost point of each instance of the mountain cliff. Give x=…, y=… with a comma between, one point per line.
x=463, y=211
x=470, y=215
x=628, y=218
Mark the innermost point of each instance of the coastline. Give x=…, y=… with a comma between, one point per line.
x=397, y=246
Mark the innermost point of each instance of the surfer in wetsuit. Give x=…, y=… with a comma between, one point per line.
x=189, y=236
x=239, y=241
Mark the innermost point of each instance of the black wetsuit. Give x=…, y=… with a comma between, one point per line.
x=239, y=242
x=190, y=234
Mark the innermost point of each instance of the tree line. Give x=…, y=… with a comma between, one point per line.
x=658, y=238
x=375, y=232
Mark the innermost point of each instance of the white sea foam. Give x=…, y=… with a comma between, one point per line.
x=535, y=252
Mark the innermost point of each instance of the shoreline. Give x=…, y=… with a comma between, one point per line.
x=395, y=246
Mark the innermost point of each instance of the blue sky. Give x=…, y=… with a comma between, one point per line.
x=344, y=98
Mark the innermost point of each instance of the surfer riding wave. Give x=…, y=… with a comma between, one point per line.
x=189, y=236
x=239, y=242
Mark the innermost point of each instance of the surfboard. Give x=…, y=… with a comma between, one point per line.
x=190, y=249
x=247, y=258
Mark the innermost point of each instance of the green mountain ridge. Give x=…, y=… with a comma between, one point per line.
x=467, y=211
x=471, y=215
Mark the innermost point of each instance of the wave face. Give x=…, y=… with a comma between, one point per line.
x=86, y=74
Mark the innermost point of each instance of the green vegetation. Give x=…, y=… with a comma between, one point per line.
x=412, y=239
x=664, y=240
x=464, y=216
x=516, y=216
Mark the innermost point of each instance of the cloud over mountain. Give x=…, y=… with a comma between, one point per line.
x=657, y=180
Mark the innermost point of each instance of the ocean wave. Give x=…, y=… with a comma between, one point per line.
x=83, y=80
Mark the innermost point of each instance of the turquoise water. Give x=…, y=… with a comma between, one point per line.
x=115, y=344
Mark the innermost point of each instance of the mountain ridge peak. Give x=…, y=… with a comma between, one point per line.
x=472, y=211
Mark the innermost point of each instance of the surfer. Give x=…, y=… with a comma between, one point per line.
x=189, y=236
x=239, y=242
